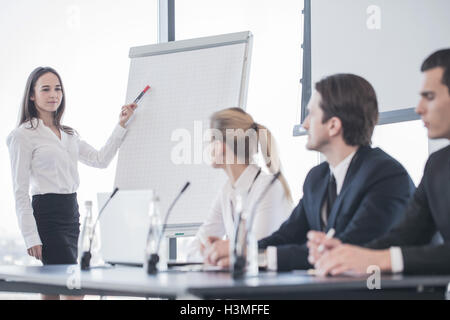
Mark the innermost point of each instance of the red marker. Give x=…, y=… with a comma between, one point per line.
x=141, y=94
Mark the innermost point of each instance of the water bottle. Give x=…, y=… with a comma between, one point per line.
x=96, y=241
x=243, y=246
x=448, y=292
x=155, y=250
x=85, y=237
x=252, y=267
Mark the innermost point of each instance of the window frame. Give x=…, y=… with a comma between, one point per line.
x=387, y=117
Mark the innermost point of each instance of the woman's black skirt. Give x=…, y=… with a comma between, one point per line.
x=58, y=223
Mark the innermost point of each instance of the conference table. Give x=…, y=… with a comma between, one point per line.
x=190, y=284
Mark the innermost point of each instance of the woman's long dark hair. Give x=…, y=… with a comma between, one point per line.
x=28, y=109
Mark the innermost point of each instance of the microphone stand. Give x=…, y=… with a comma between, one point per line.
x=154, y=257
x=242, y=231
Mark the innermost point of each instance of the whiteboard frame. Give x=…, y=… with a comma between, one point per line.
x=190, y=44
x=245, y=37
x=205, y=43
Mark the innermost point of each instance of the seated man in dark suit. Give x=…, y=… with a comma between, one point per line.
x=407, y=247
x=360, y=191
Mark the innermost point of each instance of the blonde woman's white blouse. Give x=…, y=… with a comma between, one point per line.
x=273, y=209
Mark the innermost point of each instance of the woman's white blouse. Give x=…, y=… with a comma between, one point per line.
x=271, y=212
x=42, y=163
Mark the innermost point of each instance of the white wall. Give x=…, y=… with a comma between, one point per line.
x=276, y=67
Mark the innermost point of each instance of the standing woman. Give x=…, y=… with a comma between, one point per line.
x=44, y=160
x=234, y=149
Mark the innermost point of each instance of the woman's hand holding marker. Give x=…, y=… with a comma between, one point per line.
x=128, y=110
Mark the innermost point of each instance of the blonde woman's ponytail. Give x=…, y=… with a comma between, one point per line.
x=270, y=155
x=238, y=119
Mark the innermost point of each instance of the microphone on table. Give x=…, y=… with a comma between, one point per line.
x=242, y=231
x=86, y=258
x=154, y=257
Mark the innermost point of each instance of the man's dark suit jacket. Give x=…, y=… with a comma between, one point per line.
x=373, y=199
x=427, y=213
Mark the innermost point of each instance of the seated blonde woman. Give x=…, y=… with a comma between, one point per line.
x=236, y=141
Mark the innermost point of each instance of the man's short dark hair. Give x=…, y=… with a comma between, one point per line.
x=353, y=100
x=441, y=59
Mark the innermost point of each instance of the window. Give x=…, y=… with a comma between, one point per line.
x=407, y=142
x=275, y=72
